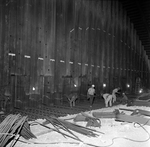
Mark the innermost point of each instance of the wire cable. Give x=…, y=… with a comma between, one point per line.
x=113, y=140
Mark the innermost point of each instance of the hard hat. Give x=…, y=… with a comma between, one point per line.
x=93, y=85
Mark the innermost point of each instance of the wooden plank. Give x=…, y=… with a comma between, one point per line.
x=136, y=119
x=1, y=41
x=59, y=45
x=34, y=48
x=119, y=43
x=12, y=38
x=126, y=44
x=32, y=53
x=85, y=23
x=9, y=53
x=122, y=40
x=116, y=77
x=40, y=57
x=18, y=37
x=82, y=47
x=70, y=29
x=140, y=57
x=126, y=50
x=77, y=40
x=48, y=44
x=132, y=57
x=137, y=54
x=104, y=114
x=19, y=58
x=101, y=46
x=105, y=47
x=129, y=75
x=139, y=111
x=111, y=44
x=69, y=44
x=83, y=50
x=22, y=35
x=96, y=77
x=128, y=39
x=93, y=45
x=141, y=103
x=48, y=33
x=90, y=43
x=108, y=45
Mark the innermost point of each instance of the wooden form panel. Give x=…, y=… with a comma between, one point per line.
x=116, y=77
x=101, y=44
x=93, y=45
x=128, y=59
x=119, y=56
x=122, y=40
x=4, y=45
x=59, y=44
x=112, y=45
x=125, y=61
x=2, y=39
x=106, y=32
x=132, y=56
x=104, y=46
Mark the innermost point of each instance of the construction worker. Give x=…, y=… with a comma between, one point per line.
x=124, y=99
x=72, y=99
x=114, y=92
x=91, y=94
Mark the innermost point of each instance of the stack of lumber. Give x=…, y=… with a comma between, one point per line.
x=12, y=127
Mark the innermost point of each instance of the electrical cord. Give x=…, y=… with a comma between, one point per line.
x=140, y=141
x=143, y=124
x=113, y=140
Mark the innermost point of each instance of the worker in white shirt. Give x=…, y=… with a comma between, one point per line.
x=91, y=94
x=114, y=92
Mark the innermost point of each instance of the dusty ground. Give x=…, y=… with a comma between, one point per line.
x=116, y=134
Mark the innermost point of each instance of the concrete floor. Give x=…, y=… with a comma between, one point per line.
x=98, y=103
x=63, y=109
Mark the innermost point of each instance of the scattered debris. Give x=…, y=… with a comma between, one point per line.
x=91, y=121
x=134, y=117
x=65, y=125
x=72, y=130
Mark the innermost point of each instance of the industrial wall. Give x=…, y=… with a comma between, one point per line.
x=49, y=48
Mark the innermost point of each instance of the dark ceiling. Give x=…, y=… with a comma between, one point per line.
x=139, y=14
